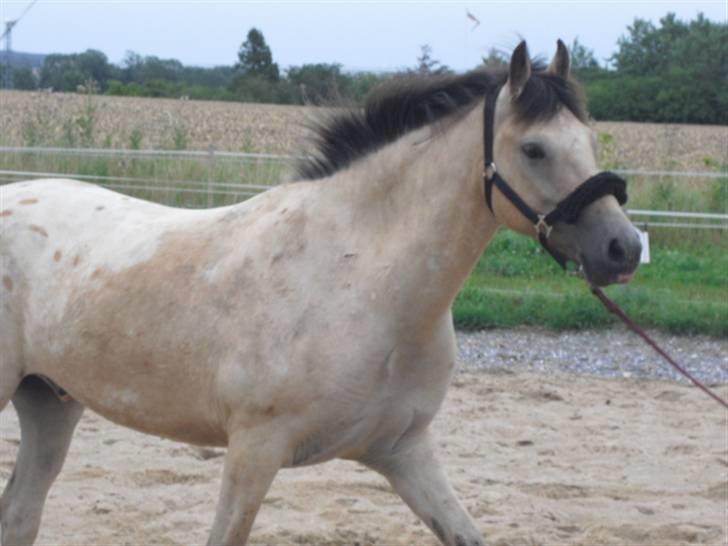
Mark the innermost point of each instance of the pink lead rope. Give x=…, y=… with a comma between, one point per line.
x=612, y=308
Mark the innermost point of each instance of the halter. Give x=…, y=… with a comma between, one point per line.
x=567, y=210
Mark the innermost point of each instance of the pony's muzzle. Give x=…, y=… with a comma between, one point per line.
x=614, y=259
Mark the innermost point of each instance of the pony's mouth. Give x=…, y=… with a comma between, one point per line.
x=596, y=276
x=624, y=278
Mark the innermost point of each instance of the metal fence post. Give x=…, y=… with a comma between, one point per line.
x=210, y=176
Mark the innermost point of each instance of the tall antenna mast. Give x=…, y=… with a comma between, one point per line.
x=8, y=35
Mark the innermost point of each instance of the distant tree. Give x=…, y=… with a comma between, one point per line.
x=361, y=83
x=218, y=77
x=427, y=65
x=495, y=58
x=255, y=58
x=67, y=72
x=646, y=49
x=143, y=69
x=680, y=69
x=131, y=89
x=317, y=83
x=131, y=66
x=24, y=78
x=155, y=68
x=255, y=89
x=582, y=58
x=94, y=65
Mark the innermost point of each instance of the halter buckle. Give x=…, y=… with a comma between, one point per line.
x=490, y=170
x=541, y=227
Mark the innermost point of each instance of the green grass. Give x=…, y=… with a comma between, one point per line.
x=683, y=290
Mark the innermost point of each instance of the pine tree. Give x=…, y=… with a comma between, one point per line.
x=256, y=59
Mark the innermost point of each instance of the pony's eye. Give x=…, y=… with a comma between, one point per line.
x=533, y=151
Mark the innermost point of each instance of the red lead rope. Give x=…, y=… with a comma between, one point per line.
x=612, y=308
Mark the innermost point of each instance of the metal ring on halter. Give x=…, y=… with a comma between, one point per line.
x=541, y=227
x=490, y=170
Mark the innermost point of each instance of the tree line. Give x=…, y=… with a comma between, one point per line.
x=675, y=71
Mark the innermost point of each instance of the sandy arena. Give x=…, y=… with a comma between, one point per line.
x=538, y=459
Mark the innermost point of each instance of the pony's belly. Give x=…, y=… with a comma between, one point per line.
x=176, y=405
x=175, y=420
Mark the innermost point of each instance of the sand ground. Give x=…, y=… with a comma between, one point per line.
x=557, y=459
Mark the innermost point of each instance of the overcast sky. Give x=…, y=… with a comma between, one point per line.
x=358, y=35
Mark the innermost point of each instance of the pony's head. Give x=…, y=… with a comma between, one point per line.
x=545, y=151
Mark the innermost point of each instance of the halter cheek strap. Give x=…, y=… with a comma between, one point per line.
x=567, y=210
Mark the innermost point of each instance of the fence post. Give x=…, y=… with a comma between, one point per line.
x=210, y=176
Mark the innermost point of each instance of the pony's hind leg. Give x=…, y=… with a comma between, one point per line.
x=46, y=427
x=418, y=477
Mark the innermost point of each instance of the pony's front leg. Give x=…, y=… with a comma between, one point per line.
x=419, y=478
x=251, y=463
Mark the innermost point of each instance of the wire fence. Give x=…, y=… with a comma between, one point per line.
x=185, y=178
x=206, y=178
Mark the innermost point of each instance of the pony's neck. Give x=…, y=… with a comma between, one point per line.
x=421, y=202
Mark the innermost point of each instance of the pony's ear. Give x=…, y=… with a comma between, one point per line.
x=560, y=64
x=519, y=71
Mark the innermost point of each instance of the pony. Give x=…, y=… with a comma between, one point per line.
x=310, y=322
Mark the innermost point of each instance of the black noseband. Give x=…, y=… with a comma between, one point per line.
x=567, y=210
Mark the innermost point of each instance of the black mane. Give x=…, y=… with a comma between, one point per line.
x=410, y=102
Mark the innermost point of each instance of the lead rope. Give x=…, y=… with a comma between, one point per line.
x=613, y=308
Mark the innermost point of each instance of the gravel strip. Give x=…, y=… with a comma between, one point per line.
x=615, y=352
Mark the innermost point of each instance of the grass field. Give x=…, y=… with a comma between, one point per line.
x=684, y=289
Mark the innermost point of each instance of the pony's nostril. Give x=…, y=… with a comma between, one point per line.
x=616, y=251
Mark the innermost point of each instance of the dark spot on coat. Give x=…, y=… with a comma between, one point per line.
x=76, y=261
x=96, y=273
x=6, y=212
x=28, y=201
x=100, y=207
x=57, y=256
x=39, y=230
x=8, y=282
x=270, y=410
x=437, y=529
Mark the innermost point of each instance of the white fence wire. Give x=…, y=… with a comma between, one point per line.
x=241, y=190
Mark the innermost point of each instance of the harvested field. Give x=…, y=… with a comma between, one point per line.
x=47, y=119
x=226, y=126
